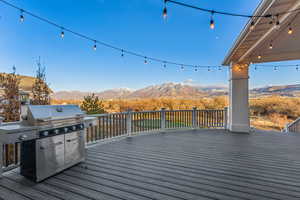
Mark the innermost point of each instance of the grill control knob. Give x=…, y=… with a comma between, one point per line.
x=74, y=128
x=66, y=130
x=23, y=137
x=81, y=126
x=56, y=131
x=45, y=133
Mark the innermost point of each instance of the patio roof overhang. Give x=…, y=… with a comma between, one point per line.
x=252, y=43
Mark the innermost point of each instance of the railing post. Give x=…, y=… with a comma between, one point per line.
x=163, y=119
x=129, y=122
x=194, y=117
x=226, y=118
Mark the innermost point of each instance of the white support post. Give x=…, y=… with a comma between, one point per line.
x=194, y=117
x=163, y=119
x=239, y=98
x=129, y=122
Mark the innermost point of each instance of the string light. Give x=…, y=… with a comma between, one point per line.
x=212, y=22
x=165, y=12
x=290, y=31
x=62, y=33
x=275, y=68
x=229, y=13
x=165, y=65
x=208, y=68
x=22, y=16
x=220, y=68
x=297, y=67
x=277, y=25
x=95, y=45
x=252, y=25
x=147, y=59
x=271, y=45
x=182, y=67
x=259, y=57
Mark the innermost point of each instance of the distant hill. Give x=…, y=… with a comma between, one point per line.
x=177, y=90
x=171, y=90
x=26, y=82
x=282, y=90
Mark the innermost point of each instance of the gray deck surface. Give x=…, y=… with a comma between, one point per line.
x=175, y=165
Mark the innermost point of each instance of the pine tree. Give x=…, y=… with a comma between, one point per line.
x=92, y=105
x=10, y=101
x=40, y=89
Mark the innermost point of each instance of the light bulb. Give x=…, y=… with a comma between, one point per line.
x=95, y=47
x=21, y=18
x=212, y=24
x=259, y=56
x=271, y=46
x=290, y=31
x=62, y=34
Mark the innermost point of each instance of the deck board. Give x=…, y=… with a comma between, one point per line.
x=177, y=165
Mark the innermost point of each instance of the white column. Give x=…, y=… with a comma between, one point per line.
x=238, y=120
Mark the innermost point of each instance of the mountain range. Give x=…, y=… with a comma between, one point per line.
x=176, y=90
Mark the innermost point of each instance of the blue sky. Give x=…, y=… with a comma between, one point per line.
x=71, y=64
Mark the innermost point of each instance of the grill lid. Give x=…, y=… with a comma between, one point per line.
x=53, y=112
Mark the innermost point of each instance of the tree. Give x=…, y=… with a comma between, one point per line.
x=40, y=89
x=92, y=105
x=10, y=101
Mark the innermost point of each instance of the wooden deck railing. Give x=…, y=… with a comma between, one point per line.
x=131, y=123
x=128, y=123
x=293, y=127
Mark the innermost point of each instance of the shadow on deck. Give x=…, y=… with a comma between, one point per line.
x=207, y=164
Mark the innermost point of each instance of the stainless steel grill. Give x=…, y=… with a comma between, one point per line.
x=59, y=141
x=52, y=138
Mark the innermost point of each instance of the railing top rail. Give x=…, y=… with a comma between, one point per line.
x=153, y=111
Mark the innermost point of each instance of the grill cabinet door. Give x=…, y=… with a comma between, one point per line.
x=74, y=148
x=50, y=156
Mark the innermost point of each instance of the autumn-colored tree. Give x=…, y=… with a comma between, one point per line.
x=92, y=105
x=10, y=101
x=40, y=89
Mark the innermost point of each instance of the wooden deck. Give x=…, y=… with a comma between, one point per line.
x=175, y=165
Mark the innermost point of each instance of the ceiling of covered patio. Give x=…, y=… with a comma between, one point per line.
x=263, y=40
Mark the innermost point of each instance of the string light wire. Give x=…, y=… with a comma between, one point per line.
x=63, y=30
